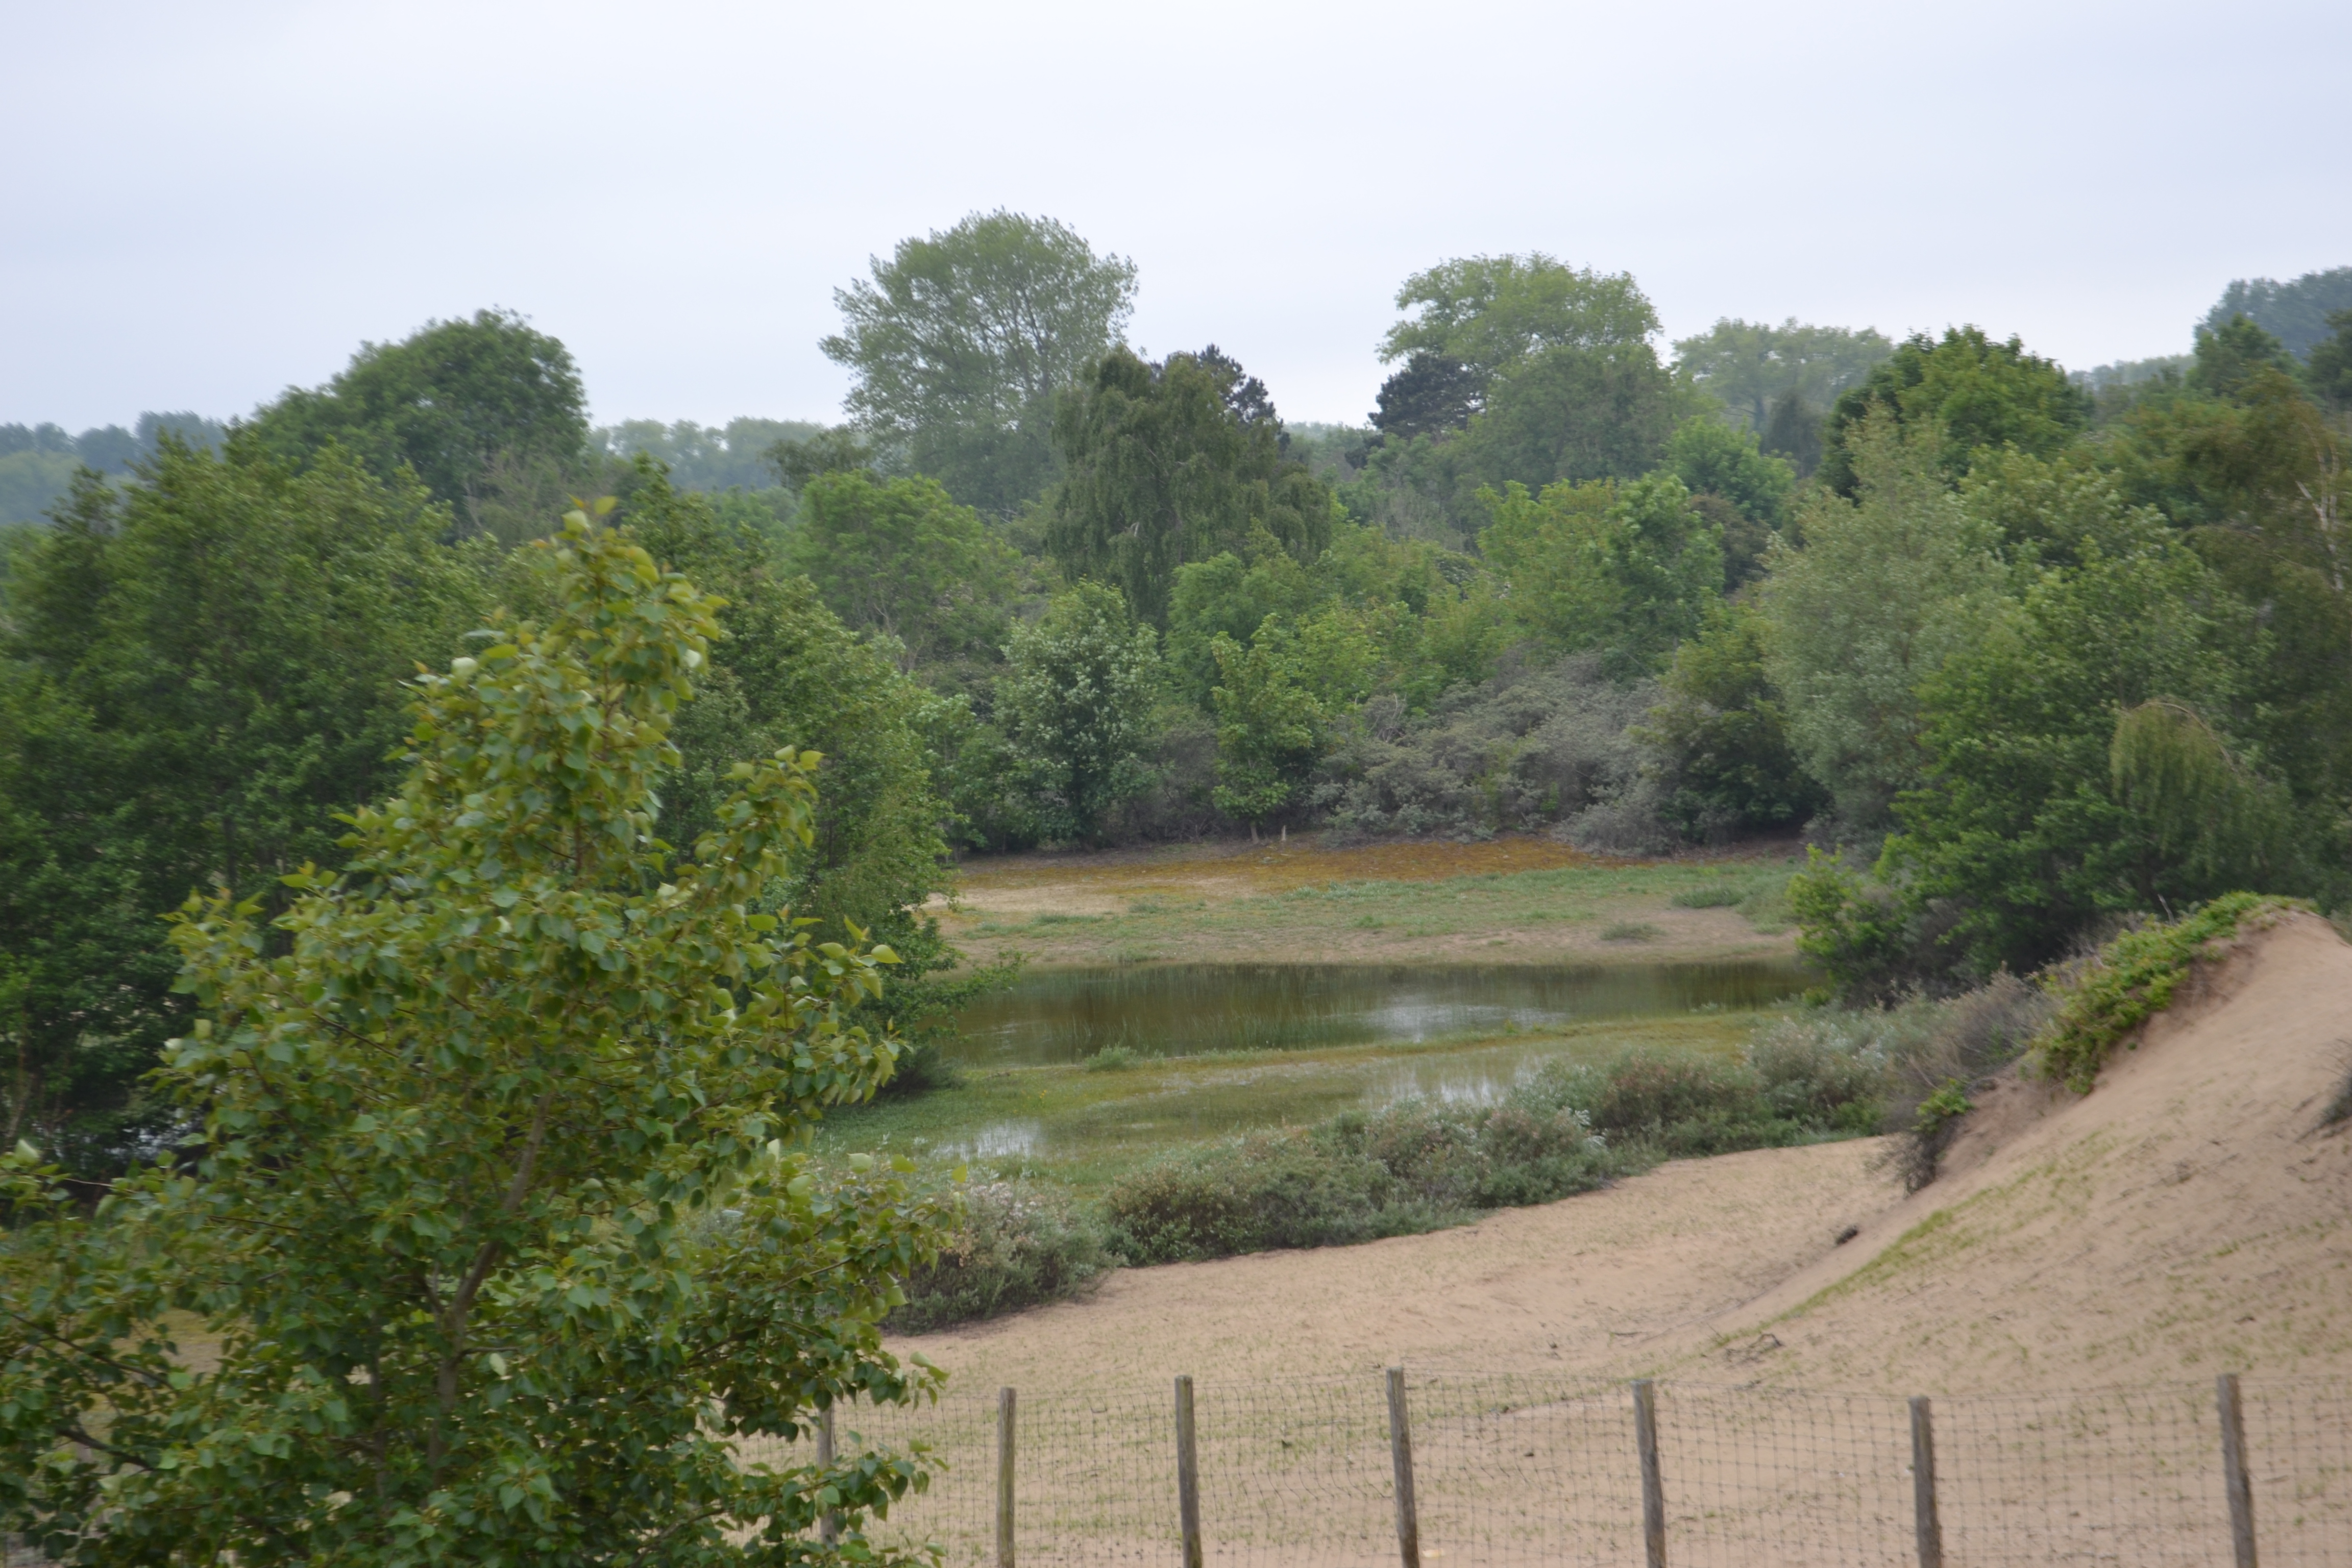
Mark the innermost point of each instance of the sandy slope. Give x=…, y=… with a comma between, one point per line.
x=2186, y=1215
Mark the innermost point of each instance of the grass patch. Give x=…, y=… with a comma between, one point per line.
x=2131, y=979
x=1630, y=930
x=1112, y=1058
x=1722, y=895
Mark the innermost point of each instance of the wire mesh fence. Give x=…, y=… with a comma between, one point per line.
x=1524, y=1468
x=1508, y=1469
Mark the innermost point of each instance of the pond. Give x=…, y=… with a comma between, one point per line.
x=1175, y=1010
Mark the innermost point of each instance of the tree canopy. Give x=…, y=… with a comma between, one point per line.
x=495, y=1215
x=961, y=340
x=451, y=401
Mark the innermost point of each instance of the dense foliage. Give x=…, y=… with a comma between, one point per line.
x=492, y=1226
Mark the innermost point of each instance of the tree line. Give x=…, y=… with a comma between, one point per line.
x=2018, y=651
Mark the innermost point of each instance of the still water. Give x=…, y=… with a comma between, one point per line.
x=1174, y=1010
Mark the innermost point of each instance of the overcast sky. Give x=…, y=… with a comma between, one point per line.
x=213, y=201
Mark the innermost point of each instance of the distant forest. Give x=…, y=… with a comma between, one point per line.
x=2019, y=652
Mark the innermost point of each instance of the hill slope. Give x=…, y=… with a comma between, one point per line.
x=2190, y=1215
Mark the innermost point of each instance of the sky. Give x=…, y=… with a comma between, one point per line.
x=215, y=201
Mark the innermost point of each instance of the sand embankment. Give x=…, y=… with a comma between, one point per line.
x=2190, y=1213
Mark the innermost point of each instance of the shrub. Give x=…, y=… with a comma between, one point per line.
x=1720, y=895
x=1412, y=1167
x=1008, y=1251
x=2130, y=980
x=1112, y=1058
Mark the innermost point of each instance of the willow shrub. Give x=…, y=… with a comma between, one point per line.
x=493, y=1221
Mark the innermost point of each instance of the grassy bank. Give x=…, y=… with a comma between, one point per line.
x=1504, y=900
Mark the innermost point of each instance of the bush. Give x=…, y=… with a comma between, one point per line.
x=1722, y=895
x=1007, y=1251
x=1412, y=1167
x=2130, y=980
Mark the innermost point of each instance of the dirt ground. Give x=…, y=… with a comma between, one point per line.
x=2191, y=1214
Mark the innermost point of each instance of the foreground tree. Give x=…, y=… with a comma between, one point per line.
x=469, y=1115
x=962, y=339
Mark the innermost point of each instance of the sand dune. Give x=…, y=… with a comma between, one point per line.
x=2188, y=1214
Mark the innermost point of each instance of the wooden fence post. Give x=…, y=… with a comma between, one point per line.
x=1003, y=1477
x=2236, y=1479
x=1407, y=1518
x=1187, y=1474
x=1923, y=1485
x=1654, y=1487
x=828, y=1523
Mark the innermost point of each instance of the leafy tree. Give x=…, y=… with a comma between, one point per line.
x=1722, y=734
x=2329, y=369
x=1269, y=727
x=470, y=1112
x=961, y=340
x=2044, y=802
x=2296, y=314
x=202, y=669
x=1432, y=395
x=1793, y=431
x=451, y=401
x=733, y=456
x=2228, y=355
x=1075, y=701
x=1629, y=569
x=1174, y=462
x=898, y=557
x=1744, y=492
x=1751, y=365
x=1974, y=393
x=1491, y=313
x=789, y=673
x=1227, y=596
x=1573, y=413
x=1887, y=587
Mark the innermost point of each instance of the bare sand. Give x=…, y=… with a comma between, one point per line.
x=2188, y=1214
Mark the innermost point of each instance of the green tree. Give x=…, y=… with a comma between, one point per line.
x=2296, y=312
x=1573, y=413
x=455, y=400
x=1630, y=569
x=1751, y=365
x=1974, y=393
x=202, y=667
x=898, y=557
x=1744, y=492
x=2329, y=369
x=1722, y=734
x=1170, y=463
x=2043, y=802
x=1270, y=728
x=470, y=1112
x=962, y=340
x=2228, y=356
x=1075, y=702
x=1887, y=587
x=789, y=673
x=1491, y=313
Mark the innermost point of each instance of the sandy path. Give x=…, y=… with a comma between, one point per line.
x=1588, y=1282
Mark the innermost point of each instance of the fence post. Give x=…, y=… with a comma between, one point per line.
x=2236, y=1479
x=1923, y=1485
x=1654, y=1487
x=1401, y=1456
x=1003, y=1477
x=1187, y=1474
x=828, y=1523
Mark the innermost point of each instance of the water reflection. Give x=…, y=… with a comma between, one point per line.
x=1067, y=1014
